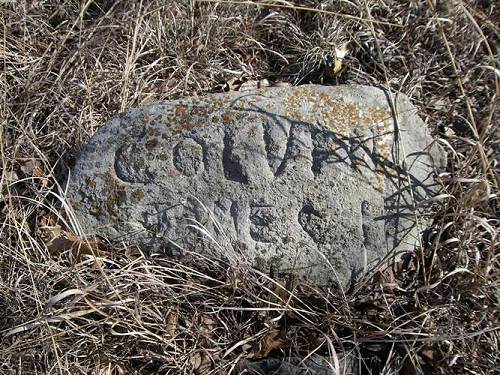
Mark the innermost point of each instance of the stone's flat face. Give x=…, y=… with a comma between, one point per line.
x=301, y=180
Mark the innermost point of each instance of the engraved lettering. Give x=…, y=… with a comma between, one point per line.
x=313, y=223
x=132, y=165
x=231, y=160
x=262, y=218
x=288, y=147
x=188, y=157
x=276, y=135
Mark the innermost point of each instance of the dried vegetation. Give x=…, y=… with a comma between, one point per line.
x=70, y=305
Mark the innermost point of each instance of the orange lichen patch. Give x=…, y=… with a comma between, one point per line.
x=380, y=182
x=310, y=106
x=109, y=181
x=352, y=111
x=391, y=173
x=182, y=118
x=227, y=118
x=375, y=115
x=117, y=195
x=187, y=117
x=384, y=149
x=138, y=194
x=90, y=182
x=181, y=111
x=299, y=104
x=95, y=210
x=383, y=140
x=115, y=198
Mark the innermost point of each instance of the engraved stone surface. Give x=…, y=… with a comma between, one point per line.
x=311, y=180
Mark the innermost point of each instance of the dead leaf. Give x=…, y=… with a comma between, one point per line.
x=195, y=360
x=171, y=323
x=47, y=219
x=387, y=280
x=201, y=363
x=340, y=53
x=279, y=295
x=62, y=241
x=428, y=354
x=32, y=168
x=449, y=132
x=276, y=339
x=208, y=323
x=46, y=226
x=478, y=193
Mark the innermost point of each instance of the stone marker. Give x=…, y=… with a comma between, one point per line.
x=311, y=180
x=312, y=365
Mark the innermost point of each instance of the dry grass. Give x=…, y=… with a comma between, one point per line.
x=70, y=306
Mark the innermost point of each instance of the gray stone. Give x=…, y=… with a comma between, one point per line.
x=310, y=180
x=313, y=365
